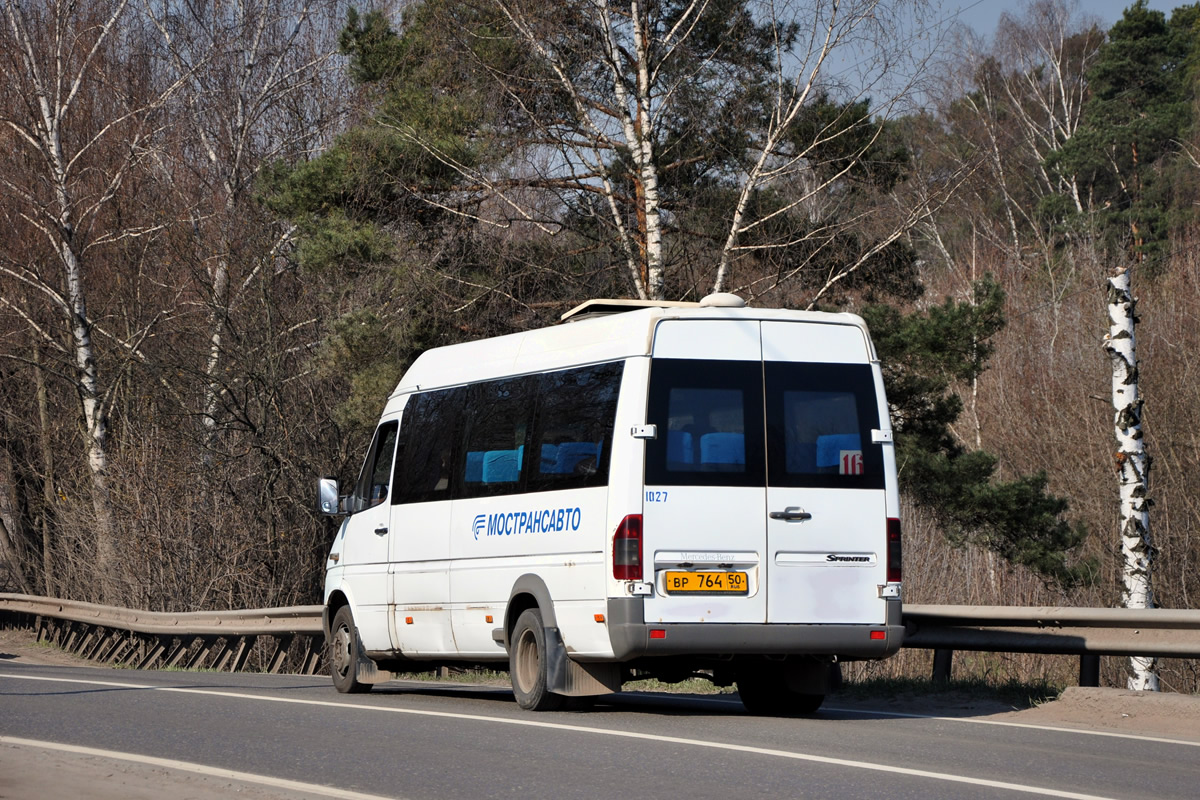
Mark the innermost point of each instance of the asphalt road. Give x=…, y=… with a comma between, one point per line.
x=410, y=740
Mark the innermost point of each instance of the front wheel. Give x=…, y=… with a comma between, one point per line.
x=343, y=653
x=527, y=664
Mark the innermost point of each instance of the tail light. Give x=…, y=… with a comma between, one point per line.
x=894, y=569
x=627, y=549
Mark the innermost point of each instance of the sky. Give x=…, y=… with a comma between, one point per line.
x=982, y=15
x=857, y=68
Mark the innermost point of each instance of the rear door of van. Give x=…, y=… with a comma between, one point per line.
x=764, y=496
x=704, y=512
x=826, y=502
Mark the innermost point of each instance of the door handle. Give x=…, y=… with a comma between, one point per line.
x=791, y=514
x=380, y=531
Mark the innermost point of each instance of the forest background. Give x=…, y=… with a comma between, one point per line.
x=229, y=226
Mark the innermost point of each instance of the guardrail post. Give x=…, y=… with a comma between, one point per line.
x=125, y=643
x=156, y=649
x=1089, y=670
x=282, y=643
x=219, y=651
x=175, y=656
x=197, y=660
x=307, y=655
x=313, y=661
x=943, y=663
x=242, y=652
x=99, y=632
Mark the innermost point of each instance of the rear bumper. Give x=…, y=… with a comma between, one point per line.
x=630, y=635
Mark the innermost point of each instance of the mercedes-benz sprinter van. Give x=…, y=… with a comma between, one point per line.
x=658, y=489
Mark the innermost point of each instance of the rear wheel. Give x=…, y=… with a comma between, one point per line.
x=767, y=690
x=527, y=664
x=343, y=653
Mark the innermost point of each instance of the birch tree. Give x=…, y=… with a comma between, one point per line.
x=1133, y=465
x=1139, y=105
x=254, y=79
x=627, y=114
x=1009, y=105
x=82, y=130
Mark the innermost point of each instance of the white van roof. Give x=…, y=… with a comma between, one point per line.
x=596, y=338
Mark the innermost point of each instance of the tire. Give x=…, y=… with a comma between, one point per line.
x=764, y=692
x=527, y=664
x=343, y=650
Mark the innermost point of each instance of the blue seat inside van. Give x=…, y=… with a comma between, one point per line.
x=571, y=453
x=723, y=448
x=502, y=466
x=679, y=447
x=830, y=448
x=474, y=470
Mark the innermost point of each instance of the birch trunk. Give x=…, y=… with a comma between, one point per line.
x=95, y=423
x=644, y=133
x=1133, y=465
x=56, y=76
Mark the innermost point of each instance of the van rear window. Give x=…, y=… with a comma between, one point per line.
x=819, y=423
x=710, y=421
x=746, y=423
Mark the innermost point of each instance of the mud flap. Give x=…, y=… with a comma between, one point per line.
x=367, y=671
x=573, y=679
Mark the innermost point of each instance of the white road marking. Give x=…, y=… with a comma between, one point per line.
x=199, y=769
x=532, y=723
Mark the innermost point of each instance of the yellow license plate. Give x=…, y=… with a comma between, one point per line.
x=707, y=583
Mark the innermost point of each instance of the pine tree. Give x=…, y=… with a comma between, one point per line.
x=923, y=354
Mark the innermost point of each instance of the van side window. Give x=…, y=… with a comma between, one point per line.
x=497, y=416
x=372, y=487
x=710, y=423
x=431, y=431
x=533, y=433
x=572, y=437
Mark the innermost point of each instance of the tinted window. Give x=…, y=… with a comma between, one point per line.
x=497, y=417
x=372, y=487
x=819, y=422
x=572, y=439
x=424, y=470
x=533, y=433
x=709, y=416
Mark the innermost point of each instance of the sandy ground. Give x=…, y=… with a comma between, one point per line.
x=30, y=773
x=1165, y=715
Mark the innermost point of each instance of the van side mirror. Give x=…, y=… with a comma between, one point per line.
x=327, y=497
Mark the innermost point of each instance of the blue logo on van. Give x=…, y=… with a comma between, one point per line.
x=515, y=523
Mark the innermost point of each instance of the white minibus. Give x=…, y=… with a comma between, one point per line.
x=648, y=489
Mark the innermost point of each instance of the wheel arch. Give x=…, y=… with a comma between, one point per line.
x=336, y=600
x=529, y=591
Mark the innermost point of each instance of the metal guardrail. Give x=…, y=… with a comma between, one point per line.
x=224, y=640
x=1169, y=633
x=1086, y=632
x=221, y=640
